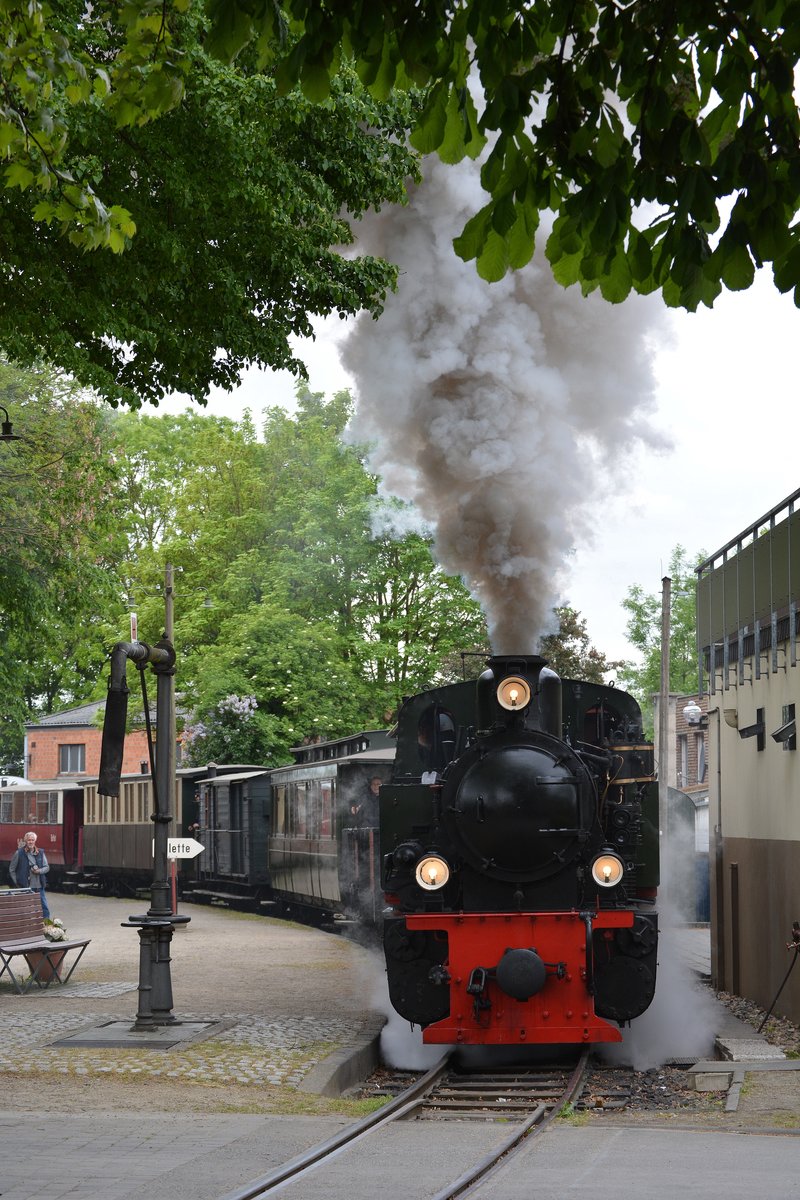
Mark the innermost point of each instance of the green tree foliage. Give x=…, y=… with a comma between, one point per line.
x=289, y=589
x=297, y=612
x=60, y=531
x=570, y=653
x=57, y=61
x=234, y=202
x=644, y=632
x=665, y=137
x=268, y=682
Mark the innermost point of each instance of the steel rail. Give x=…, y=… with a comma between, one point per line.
x=397, y=1108
x=535, y=1123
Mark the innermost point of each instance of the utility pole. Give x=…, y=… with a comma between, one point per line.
x=157, y=925
x=664, y=756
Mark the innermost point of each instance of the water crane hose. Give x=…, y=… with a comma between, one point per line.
x=793, y=945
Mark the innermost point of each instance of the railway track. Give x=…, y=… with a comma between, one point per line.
x=528, y=1099
x=540, y=1116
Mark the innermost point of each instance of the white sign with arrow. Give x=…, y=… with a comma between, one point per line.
x=182, y=847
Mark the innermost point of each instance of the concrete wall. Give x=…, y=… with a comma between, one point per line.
x=755, y=840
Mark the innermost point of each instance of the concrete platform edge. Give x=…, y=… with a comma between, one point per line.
x=348, y=1065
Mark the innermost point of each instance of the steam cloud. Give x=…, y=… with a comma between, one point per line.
x=504, y=412
x=680, y=1024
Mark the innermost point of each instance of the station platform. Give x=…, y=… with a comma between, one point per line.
x=277, y=1021
x=694, y=945
x=257, y=1001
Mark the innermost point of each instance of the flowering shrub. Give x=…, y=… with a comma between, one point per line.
x=231, y=732
x=54, y=929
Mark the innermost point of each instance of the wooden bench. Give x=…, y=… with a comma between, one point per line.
x=22, y=934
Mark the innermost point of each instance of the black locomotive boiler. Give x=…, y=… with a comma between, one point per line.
x=519, y=842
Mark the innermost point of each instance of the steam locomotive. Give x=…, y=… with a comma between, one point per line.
x=519, y=842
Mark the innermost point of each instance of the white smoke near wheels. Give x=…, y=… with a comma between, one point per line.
x=505, y=412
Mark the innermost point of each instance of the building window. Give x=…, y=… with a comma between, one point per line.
x=683, y=760
x=700, y=743
x=71, y=759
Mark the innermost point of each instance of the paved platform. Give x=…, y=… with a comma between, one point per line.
x=270, y=1013
x=694, y=945
x=256, y=1001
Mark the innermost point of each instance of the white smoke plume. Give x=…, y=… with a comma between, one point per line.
x=504, y=412
x=681, y=1023
x=401, y=1043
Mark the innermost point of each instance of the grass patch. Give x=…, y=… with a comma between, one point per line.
x=572, y=1116
x=303, y=1104
x=70, y=1092
x=786, y=1120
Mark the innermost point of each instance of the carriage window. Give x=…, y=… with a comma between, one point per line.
x=280, y=807
x=90, y=797
x=313, y=808
x=298, y=810
x=326, y=812
x=141, y=803
x=127, y=802
x=436, y=738
x=46, y=808
x=5, y=808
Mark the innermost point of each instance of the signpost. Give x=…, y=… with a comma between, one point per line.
x=179, y=848
x=183, y=848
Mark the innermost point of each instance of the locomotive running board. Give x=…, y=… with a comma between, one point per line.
x=563, y=1011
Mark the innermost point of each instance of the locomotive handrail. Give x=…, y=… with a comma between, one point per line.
x=586, y=917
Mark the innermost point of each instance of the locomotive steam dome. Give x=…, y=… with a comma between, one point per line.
x=518, y=805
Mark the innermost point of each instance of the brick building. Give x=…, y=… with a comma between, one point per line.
x=66, y=745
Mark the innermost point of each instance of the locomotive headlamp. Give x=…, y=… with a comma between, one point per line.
x=607, y=869
x=432, y=872
x=514, y=693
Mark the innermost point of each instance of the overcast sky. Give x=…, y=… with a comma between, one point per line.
x=727, y=397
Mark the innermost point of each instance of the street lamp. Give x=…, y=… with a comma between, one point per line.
x=6, y=433
x=694, y=715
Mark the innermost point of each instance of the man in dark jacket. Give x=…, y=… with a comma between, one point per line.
x=28, y=869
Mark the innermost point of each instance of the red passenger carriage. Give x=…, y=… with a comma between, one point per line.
x=54, y=812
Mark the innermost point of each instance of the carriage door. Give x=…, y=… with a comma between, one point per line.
x=238, y=827
x=73, y=825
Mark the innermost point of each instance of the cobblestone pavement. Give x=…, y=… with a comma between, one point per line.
x=255, y=1050
x=282, y=1000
